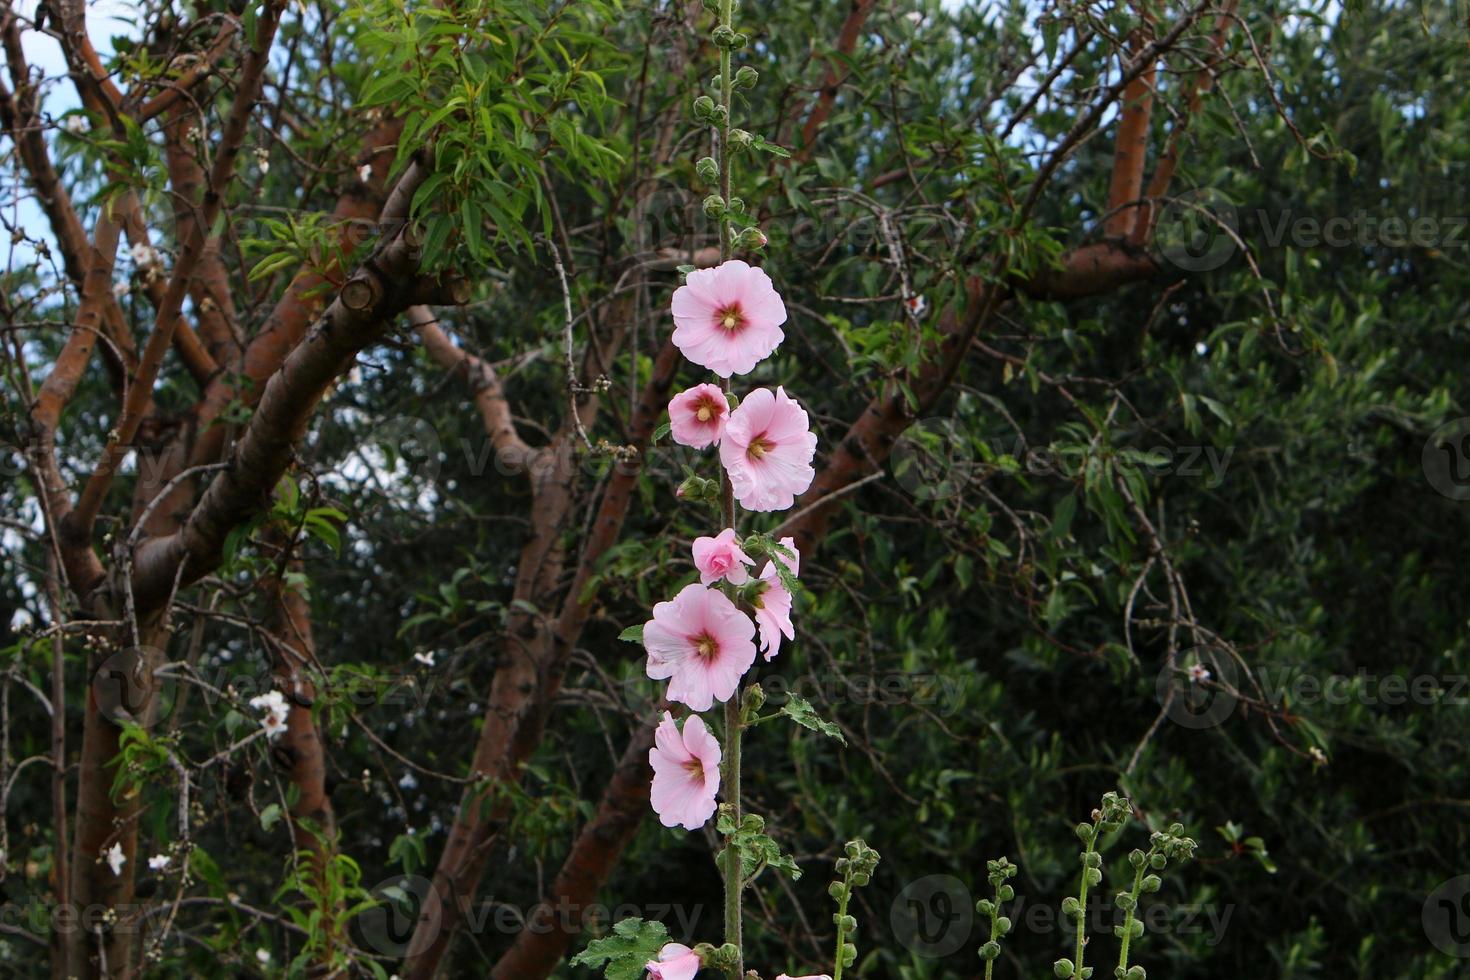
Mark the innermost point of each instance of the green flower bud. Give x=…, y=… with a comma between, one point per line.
x=985, y=907
x=990, y=950
x=1092, y=859
x=1063, y=968
x=1085, y=832
x=1093, y=876
x=835, y=890
x=1070, y=907
x=714, y=206
x=752, y=700
x=723, y=36
x=746, y=77
x=740, y=139
x=1002, y=926
x=1136, y=858
x=1151, y=884
x=704, y=108
x=1158, y=861
x=1005, y=893
x=751, y=238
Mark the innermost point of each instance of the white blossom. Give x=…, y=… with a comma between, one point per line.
x=158, y=862
x=115, y=859
x=78, y=125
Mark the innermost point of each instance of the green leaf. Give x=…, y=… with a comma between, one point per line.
x=800, y=710
x=633, y=634
x=622, y=955
x=270, y=816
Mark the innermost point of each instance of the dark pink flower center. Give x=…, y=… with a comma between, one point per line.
x=759, y=446
x=706, y=646
x=730, y=317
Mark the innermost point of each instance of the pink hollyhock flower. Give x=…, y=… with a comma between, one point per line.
x=773, y=604
x=701, y=644
x=686, y=773
x=728, y=318
x=697, y=416
x=675, y=962
x=720, y=557
x=767, y=450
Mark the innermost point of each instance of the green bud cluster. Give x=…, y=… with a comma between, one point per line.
x=855, y=869
x=998, y=873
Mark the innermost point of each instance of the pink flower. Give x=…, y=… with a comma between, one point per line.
x=773, y=604
x=686, y=773
x=675, y=962
x=697, y=416
x=728, y=318
x=767, y=450
x=721, y=558
x=701, y=644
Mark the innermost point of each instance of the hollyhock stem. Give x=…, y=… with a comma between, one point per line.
x=734, y=883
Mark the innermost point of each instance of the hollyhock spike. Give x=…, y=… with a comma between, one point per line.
x=728, y=319
x=767, y=449
x=701, y=644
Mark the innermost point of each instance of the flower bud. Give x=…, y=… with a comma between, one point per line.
x=714, y=206
x=740, y=139
x=751, y=238
x=704, y=108
x=746, y=77
x=723, y=36
x=707, y=169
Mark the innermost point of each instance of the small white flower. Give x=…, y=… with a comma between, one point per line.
x=272, y=701
x=274, y=725
x=916, y=306
x=1201, y=348
x=121, y=289
x=263, y=955
x=409, y=781
x=365, y=172
x=115, y=859
x=1318, y=756
x=1198, y=673
x=427, y=659
x=263, y=159
x=915, y=17
x=158, y=862
x=143, y=253
x=78, y=125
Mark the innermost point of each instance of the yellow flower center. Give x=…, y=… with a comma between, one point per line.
x=705, y=646
x=731, y=318
x=759, y=446
x=705, y=413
